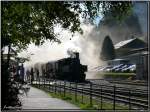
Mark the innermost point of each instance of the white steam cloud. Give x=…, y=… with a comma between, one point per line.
x=89, y=51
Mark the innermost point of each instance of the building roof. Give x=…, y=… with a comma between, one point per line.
x=118, y=59
x=122, y=43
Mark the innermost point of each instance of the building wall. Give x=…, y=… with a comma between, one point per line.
x=141, y=61
x=142, y=67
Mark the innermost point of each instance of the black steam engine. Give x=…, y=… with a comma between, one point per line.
x=64, y=69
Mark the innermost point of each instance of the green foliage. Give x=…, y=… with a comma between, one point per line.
x=10, y=90
x=107, y=51
x=118, y=10
x=26, y=22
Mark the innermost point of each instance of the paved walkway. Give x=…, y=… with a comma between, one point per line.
x=38, y=99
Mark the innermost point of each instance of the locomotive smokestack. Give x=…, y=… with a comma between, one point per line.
x=77, y=55
x=73, y=53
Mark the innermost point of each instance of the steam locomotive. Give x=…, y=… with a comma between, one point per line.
x=64, y=69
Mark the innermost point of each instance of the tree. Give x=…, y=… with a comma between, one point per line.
x=26, y=22
x=118, y=10
x=107, y=51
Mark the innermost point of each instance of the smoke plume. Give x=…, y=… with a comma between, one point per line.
x=89, y=44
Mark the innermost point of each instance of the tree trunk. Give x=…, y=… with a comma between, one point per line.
x=5, y=77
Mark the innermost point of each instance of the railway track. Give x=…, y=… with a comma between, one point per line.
x=108, y=94
x=125, y=82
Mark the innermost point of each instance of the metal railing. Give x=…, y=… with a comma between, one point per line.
x=131, y=99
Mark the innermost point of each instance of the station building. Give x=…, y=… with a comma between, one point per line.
x=132, y=51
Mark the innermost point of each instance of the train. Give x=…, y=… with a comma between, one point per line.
x=69, y=69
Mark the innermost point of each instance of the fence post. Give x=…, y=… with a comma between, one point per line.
x=44, y=82
x=75, y=91
x=101, y=97
x=91, y=94
x=49, y=84
x=82, y=92
x=52, y=85
x=60, y=87
x=129, y=99
x=114, y=97
x=55, y=85
x=64, y=88
x=39, y=82
x=70, y=87
x=36, y=82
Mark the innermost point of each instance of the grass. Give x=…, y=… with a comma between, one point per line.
x=117, y=75
x=70, y=97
